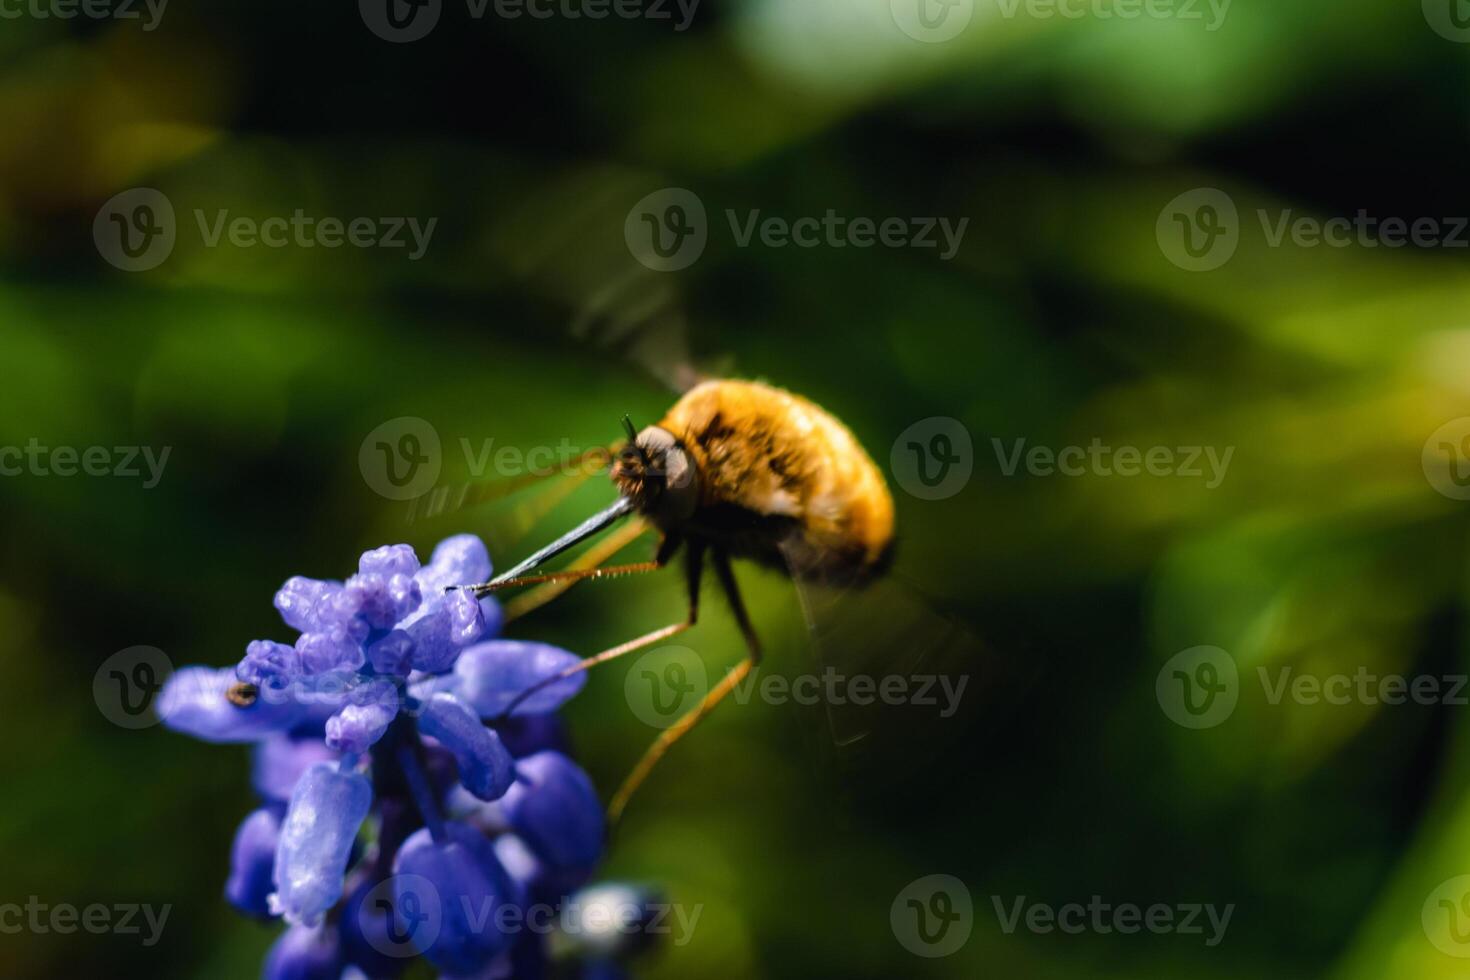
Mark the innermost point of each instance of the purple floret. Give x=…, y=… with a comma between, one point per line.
x=306, y=603
x=374, y=722
x=327, y=807
x=485, y=766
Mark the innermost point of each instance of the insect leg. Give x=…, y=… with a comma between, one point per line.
x=685, y=724
x=605, y=571
x=693, y=568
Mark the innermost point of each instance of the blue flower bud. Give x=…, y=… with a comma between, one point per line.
x=458, y=560
x=268, y=663
x=371, y=708
x=451, y=622
x=331, y=648
x=489, y=676
x=327, y=807
x=390, y=559
x=380, y=600
x=553, y=806
x=278, y=762
x=304, y=953
x=252, y=858
x=485, y=767
x=471, y=888
x=194, y=701
x=305, y=603
x=391, y=653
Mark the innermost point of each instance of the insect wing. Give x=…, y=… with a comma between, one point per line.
x=894, y=674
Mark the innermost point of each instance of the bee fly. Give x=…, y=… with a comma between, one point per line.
x=736, y=469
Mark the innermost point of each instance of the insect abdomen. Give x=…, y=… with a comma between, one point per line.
x=783, y=458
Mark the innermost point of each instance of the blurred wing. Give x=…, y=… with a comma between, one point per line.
x=897, y=675
x=554, y=487
x=565, y=243
x=643, y=322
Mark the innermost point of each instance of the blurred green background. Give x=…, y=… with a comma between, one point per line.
x=1062, y=318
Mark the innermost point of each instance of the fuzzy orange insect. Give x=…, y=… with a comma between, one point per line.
x=735, y=469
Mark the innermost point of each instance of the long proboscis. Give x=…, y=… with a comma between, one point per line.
x=597, y=522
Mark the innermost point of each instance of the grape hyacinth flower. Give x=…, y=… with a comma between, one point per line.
x=403, y=813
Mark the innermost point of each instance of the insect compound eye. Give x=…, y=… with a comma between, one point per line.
x=681, y=491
